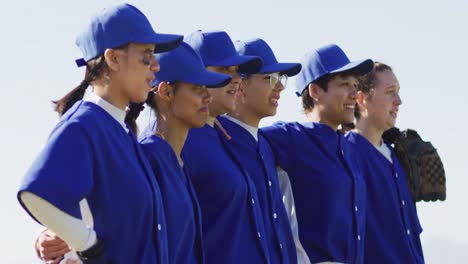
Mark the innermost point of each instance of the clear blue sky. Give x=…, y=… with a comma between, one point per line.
x=426, y=42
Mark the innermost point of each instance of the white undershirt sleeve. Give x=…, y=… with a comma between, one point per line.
x=288, y=200
x=72, y=230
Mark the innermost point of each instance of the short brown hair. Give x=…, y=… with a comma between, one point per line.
x=322, y=82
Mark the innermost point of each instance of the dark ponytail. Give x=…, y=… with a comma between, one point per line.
x=94, y=69
x=134, y=109
x=133, y=112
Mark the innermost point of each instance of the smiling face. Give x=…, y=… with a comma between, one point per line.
x=335, y=106
x=259, y=96
x=224, y=99
x=382, y=102
x=189, y=104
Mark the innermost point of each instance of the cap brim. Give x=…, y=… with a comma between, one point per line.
x=163, y=42
x=290, y=69
x=247, y=64
x=209, y=79
x=363, y=66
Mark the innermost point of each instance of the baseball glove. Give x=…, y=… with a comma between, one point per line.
x=421, y=162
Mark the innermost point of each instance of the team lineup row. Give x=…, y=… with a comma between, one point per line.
x=202, y=183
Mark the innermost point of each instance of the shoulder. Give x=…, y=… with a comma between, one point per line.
x=200, y=137
x=154, y=146
x=356, y=141
x=70, y=131
x=89, y=117
x=83, y=111
x=200, y=132
x=279, y=126
x=281, y=129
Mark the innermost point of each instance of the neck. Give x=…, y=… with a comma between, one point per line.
x=210, y=121
x=173, y=132
x=316, y=116
x=370, y=132
x=215, y=111
x=107, y=93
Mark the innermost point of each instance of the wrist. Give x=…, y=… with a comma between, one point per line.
x=93, y=252
x=36, y=242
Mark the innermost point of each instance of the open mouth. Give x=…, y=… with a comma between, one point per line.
x=149, y=82
x=274, y=101
x=232, y=92
x=204, y=110
x=349, y=106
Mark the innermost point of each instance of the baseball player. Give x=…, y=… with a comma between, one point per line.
x=392, y=225
x=92, y=155
x=329, y=190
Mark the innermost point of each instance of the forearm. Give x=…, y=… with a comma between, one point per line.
x=288, y=201
x=72, y=230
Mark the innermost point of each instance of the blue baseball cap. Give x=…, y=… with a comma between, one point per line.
x=258, y=47
x=324, y=60
x=185, y=65
x=216, y=49
x=116, y=26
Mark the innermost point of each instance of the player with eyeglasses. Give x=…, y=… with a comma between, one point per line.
x=257, y=98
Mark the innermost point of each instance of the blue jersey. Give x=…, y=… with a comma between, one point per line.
x=232, y=226
x=392, y=225
x=89, y=155
x=257, y=160
x=329, y=191
x=183, y=216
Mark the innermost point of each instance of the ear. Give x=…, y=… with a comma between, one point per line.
x=112, y=59
x=314, y=91
x=241, y=92
x=164, y=91
x=361, y=100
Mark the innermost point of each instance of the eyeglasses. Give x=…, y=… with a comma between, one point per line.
x=276, y=78
x=273, y=78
